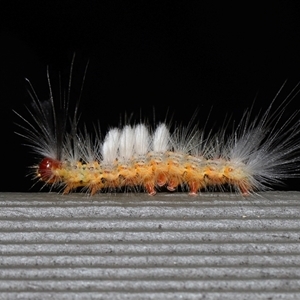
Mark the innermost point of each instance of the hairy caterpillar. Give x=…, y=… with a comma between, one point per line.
x=253, y=157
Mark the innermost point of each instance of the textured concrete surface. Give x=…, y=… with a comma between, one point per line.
x=132, y=246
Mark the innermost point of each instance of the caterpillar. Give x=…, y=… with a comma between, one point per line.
x=253, y=157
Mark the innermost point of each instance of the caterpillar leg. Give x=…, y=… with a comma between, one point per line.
x=194, y=187
x=150, y=189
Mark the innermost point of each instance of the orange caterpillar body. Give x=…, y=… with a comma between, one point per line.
x=168, y=169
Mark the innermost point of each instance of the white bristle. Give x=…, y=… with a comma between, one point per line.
x=110, y=146
x=142, y=139
x=161, y=139
x=126, y=145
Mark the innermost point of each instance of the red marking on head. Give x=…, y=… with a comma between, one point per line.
x=46, y=167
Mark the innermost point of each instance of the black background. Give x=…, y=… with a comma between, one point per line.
x=170, y=56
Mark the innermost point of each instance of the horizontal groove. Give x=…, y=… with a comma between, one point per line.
x=150, y=224
x=265, y=199
x=148, y=212
x=170, y=295
x=166, y=273
x=142, y=200
x=153, y=248
x=217, y=260
x=152, y=285
x=112, y=237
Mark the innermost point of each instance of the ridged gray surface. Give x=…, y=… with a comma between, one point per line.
x=132, y=246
